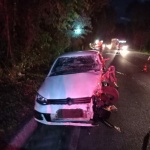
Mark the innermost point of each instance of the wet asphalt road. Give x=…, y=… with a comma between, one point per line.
x=133, y=115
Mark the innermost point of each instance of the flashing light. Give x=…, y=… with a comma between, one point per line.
x=104, y=45
x=122, y=41
x=96, y=41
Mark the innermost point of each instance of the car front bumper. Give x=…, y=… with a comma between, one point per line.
x=52, y=114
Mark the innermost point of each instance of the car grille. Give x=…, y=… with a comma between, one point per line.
x=70, y=101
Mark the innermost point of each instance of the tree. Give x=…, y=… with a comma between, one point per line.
x=140, y=25
x=103, y=24
x=25, y=22
x=5, y=32
x=36, y=32
x=94, y=9
x=83, y=24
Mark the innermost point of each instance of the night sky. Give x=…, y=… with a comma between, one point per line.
x=120, y=8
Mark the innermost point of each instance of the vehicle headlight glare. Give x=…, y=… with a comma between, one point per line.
x=125, y=48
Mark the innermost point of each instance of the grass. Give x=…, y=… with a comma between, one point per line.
x=16, y=104
x=146, y=52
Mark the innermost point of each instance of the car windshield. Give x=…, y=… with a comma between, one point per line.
x=70, y=65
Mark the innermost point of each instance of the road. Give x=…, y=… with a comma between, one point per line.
x=133, y=115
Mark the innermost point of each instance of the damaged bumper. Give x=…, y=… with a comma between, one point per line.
x=46, y=119
x=75, y=115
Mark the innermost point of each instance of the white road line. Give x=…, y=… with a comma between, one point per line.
x=120, y=73
x=22, y=136
x=112, y=54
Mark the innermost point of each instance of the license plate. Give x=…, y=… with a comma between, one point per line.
x=70, y=113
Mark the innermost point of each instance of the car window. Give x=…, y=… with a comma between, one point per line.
x=70, y=65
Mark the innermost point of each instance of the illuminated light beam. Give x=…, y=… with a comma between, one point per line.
x=111, y=59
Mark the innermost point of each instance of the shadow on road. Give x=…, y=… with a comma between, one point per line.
x=145, y=141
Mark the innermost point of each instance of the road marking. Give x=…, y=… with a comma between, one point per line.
x=22, y=136
x=74, y=138
x=136, y=79
x=112, y=53
x=120, y=73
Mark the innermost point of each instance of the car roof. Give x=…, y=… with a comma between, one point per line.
x=79, y=53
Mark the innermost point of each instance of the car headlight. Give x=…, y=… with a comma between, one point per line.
x=125, y=48
x=41, y=99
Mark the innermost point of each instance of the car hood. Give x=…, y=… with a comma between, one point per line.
x=70, y=85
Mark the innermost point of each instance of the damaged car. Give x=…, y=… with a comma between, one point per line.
x=78, y=90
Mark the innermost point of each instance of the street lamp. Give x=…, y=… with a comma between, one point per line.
x=77, y=31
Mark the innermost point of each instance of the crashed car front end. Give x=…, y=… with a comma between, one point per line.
x=71, y=105
x=76, y=98
x=75, y=114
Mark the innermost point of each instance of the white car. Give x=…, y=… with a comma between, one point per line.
x=68, y=94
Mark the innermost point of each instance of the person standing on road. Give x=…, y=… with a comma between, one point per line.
x=118, y=48
x=99, y=45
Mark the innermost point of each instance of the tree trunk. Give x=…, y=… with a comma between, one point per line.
x=9, y=53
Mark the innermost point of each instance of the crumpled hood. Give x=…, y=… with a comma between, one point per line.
x=71, y=85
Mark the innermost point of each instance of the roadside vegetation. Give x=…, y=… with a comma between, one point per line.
x=16, y=105
x=32, y=35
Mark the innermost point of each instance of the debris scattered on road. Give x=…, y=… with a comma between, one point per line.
x=110, y=125
x=89, y=131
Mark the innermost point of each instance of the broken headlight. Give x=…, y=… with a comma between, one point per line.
x=40, y=99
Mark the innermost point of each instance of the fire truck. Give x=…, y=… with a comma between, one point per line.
x=115, y=43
